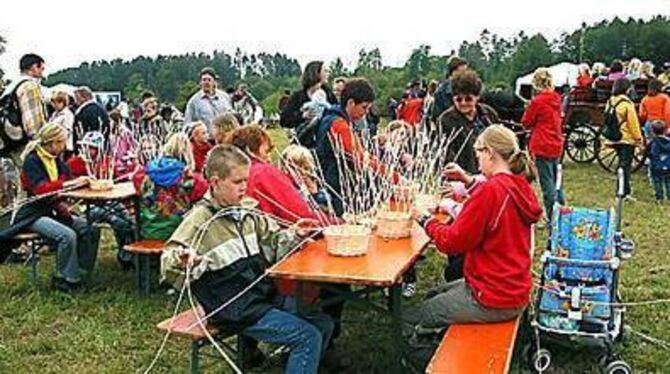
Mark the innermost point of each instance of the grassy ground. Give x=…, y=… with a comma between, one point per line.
x=110, y=329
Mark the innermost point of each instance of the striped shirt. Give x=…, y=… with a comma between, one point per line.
x=31, y=103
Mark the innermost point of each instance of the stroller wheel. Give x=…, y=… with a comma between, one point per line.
x=618, y=367
x=540, y=360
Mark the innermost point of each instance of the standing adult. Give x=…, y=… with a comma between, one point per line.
x=338, y=86
x=90, y=115
x=464, y=121
x=209, y=102
x=314, y=80
x=444, y=95
x=629, y=125
x=30, y=102
x=543, y=118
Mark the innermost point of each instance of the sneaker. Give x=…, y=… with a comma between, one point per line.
x=409, y=289
x=61, y=284
x=336, y=360
x=629, y=198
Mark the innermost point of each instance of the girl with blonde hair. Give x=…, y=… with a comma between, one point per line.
x=543, y=118
x=493, y=232
x=42, y=173
x=168, y=187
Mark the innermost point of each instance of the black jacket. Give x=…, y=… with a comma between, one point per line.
x=92, y=117
x=291, y=115
x=452, y=120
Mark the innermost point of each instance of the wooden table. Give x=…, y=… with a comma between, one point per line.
x=119, y=192
x=381, y=267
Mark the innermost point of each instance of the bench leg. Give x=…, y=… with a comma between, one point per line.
x=241, y=351
x=195, y=357
x=143, y=268
x=395, y=307
x=34, y=259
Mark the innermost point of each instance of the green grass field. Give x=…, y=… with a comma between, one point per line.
x=110, y=329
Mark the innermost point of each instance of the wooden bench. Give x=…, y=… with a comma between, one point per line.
x=145, y=252
x=179, y=325
x=34, y=241
x=475, y=348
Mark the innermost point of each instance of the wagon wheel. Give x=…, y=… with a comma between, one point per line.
x=609, y=160
x=580, y=143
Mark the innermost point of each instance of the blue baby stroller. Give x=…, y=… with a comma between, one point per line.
x=577, y=301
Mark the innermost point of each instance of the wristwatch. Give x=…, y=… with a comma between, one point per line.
x=421, y=220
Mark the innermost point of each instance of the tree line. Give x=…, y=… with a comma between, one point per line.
x=500, y=60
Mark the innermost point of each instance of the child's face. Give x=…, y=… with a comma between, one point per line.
x=231, y=190
x=200, y=135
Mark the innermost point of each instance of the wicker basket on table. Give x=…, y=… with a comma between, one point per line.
x=394, y=224
x=101, y=184
x=347, y=240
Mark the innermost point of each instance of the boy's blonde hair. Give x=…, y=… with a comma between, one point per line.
x=299, y=157
x=226, y=122
x=542, y=79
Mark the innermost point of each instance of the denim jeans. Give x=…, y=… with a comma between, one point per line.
x=661, y=182
x=547, y=170
x=73, y=258
x=306, y=338
x=625, y=153
x=122, y=223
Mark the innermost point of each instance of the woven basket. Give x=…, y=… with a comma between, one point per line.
x=428, y=202
x=394, y=225
x=101, y=184
x=347, y=240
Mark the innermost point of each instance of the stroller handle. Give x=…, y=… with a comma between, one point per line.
x=619, y=181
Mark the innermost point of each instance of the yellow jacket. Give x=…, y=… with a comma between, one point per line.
x=627, y=116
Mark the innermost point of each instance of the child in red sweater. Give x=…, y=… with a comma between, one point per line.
x=493, y=231
x=197, y=133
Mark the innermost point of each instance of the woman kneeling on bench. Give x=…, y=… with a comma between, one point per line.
x=494, y=232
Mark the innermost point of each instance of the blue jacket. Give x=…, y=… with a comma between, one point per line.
x=659, y=154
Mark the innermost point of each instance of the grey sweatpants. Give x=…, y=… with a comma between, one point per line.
x=452, y=303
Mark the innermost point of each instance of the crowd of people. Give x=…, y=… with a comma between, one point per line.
x=227, y=211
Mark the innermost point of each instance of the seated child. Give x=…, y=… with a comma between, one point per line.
x=197, y=134
x=298, y=162
x=223, y=126
x=221, y=271
x=91, y=162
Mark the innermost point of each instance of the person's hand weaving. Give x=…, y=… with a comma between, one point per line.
x=305, y=226
x=78, y=182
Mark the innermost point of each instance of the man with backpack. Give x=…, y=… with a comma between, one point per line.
x=22, y=109
x=622, y=129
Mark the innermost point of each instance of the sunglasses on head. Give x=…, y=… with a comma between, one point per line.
x=464, y=98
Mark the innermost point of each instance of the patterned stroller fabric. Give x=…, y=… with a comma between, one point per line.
x=578, y=274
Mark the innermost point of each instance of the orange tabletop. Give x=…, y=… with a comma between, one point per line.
x=383, y=265
x=119, y=191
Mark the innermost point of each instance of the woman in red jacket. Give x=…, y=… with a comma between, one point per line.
x=272, y=188
x=493, y=231
x=543, y=118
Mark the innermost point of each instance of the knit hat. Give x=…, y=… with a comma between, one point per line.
x=93, y=139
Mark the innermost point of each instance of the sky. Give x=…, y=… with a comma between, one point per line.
x=67, y=33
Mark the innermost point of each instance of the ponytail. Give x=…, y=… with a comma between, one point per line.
x=521, y=164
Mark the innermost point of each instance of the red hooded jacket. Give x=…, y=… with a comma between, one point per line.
x=276, y=194
x=493, y=231
x=543, y=118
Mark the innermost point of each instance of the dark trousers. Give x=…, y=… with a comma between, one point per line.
x=661, y=183
x=625, y=153
x=547, y=170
